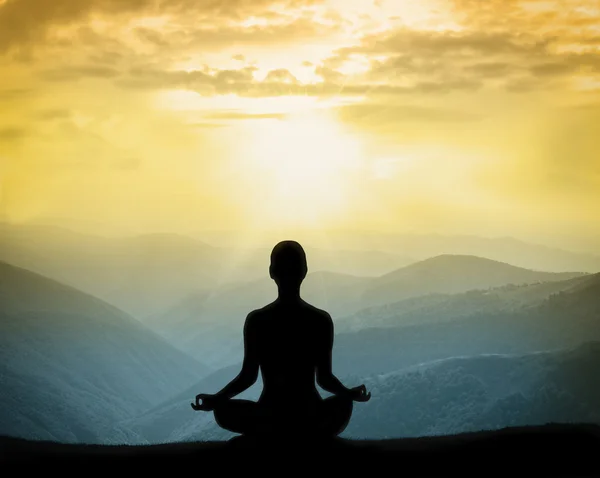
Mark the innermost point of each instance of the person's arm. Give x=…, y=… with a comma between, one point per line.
x=244, y=380
x=249, y=373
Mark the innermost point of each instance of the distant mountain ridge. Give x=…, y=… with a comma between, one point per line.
x=557, y=315
x=491, y=391
x=71, y=364
x=146, y=274
x=442, y=307
x=504, y=249
x=208, y=325
x=452, y=274
x=561, y=320
x=202, y=322
x=442, y=397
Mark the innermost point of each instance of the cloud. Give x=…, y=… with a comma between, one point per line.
x=27, y=21
x=12, y=133
x=384, y=113
x=53, y=114
x=74, y=73
x=440, y=56
x=240, y=115
x=241, y=82
x=490, y=69
x=486, y=53
x=283, y=31
x=400, y=61
x=126, y=164
x=498, y=59
x=329, y=74
x=281, y=75
x=11, y=94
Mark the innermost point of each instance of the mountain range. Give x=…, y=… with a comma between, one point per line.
x=71, y=364
x=147, y=274
x=208, y=325
x=450, y=343
x=502, y=345
x=443, y=397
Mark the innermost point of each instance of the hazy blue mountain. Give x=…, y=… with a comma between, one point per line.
x=564, y=319
x=74, y=368
x=435, y=308
x=483, y=393
x=71, y=364
x=454, y=395
x=144, y=275
x=209, y=325
x=174, y=419
x=451, y=274
x=503, y=249
x=139, y=274
x=254, y=261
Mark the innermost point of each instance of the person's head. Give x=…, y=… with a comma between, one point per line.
x=288, y=264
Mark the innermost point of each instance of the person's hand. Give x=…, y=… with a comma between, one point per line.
x=209, y=402
x=359, y=394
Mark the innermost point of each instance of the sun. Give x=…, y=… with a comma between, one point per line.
x=303, y=168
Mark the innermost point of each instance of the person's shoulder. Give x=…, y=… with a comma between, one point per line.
x=257, y=314
x=318, y=314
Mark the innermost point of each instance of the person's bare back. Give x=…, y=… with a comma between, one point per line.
x=292, y=342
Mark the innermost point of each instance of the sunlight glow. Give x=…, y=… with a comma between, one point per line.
x=306, y=166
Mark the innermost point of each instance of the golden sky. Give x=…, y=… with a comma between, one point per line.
x=453, y=116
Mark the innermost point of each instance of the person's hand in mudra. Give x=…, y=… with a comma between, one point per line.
x=209, y=402
x=359, y=394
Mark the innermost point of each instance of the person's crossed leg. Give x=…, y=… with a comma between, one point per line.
x=327, y=418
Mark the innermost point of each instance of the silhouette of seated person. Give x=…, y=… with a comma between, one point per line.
x=291, y=342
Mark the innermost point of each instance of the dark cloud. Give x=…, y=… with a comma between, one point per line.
x=554, y=68
x=12, y=133
x=413, y=61
x=465, y=58
x=443, y=60
x=282, y=32
x=151, y=36
x=280, y=75
x=491, y=69
x=53, y=114
x=14, y=94
x=329, y=74
x=521, y=85
x=26, y=21
x=458, y=44
x=209, y=82
x=78, y=72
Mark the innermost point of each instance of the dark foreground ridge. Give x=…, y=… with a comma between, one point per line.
x=550, y=449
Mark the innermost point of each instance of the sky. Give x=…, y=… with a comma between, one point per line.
x=446, y=116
